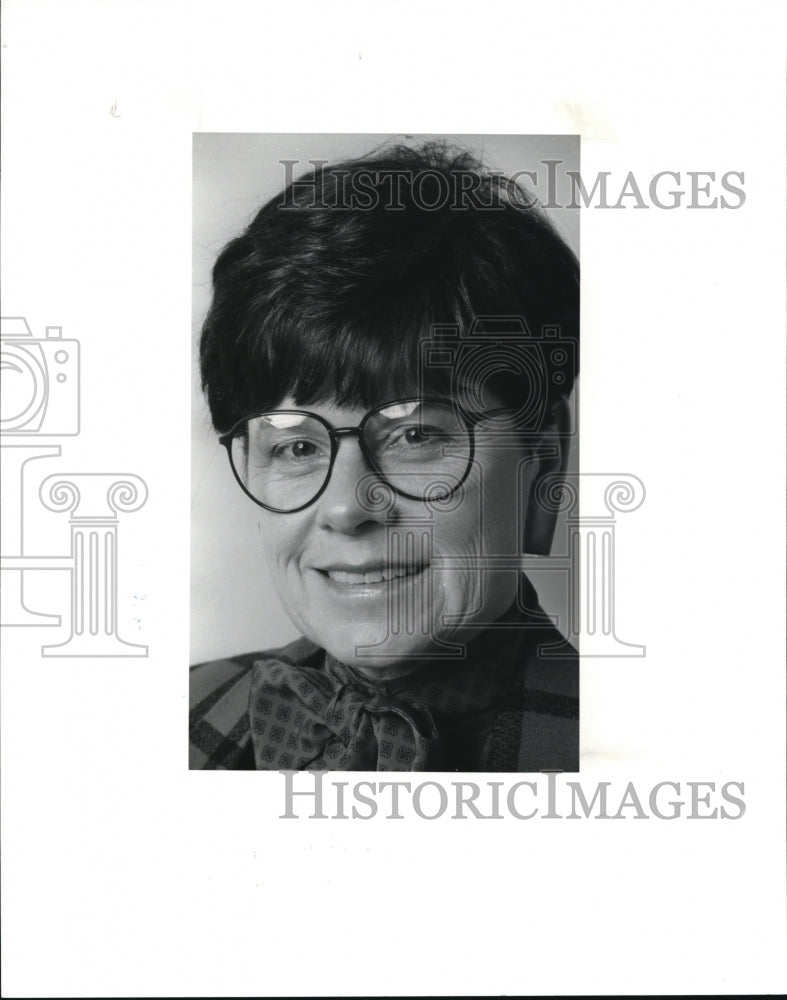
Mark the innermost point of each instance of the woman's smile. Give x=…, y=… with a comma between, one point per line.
x=376, y=587
x=365, y=575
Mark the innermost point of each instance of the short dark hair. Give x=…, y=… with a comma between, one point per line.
x=326, y=297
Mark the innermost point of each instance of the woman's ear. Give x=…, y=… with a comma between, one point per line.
x=551, y=460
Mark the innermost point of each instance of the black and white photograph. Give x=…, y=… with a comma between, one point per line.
x=393, y=387
x=418, y=309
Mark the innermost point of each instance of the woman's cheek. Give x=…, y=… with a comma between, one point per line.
x=458, y=591
x=458, y=587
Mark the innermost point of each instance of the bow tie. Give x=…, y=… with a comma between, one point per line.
x=333, y=718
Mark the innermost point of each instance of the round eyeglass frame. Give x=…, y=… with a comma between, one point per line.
x=334, y=433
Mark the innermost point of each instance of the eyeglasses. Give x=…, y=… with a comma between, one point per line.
x=422, y=448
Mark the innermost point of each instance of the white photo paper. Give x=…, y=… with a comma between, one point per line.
x=139, y=140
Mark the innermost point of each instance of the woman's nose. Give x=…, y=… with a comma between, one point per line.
x=347, y=505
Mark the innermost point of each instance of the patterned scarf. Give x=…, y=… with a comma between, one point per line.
x=436, y=719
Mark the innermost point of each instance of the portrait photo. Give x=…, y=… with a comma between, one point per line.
x=392, y=420
x=386, y=348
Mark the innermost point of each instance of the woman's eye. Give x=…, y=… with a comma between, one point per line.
x=301, y=449
x=421, y=435
x=294, y=450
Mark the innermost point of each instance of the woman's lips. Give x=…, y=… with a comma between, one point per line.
x=381, y=575
x=367, y=579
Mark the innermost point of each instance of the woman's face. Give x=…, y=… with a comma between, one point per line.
x=368, y=582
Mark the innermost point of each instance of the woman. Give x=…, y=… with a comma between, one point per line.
x=387, y=359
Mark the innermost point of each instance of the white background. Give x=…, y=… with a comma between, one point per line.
x=125, y=874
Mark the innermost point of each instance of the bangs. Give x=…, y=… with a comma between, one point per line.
x=358, y=358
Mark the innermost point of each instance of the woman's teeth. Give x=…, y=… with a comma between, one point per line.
x=373, y=576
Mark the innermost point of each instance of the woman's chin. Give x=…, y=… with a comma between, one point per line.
x=376, y=652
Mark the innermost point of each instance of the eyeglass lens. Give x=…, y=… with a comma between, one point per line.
x=284, y=459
